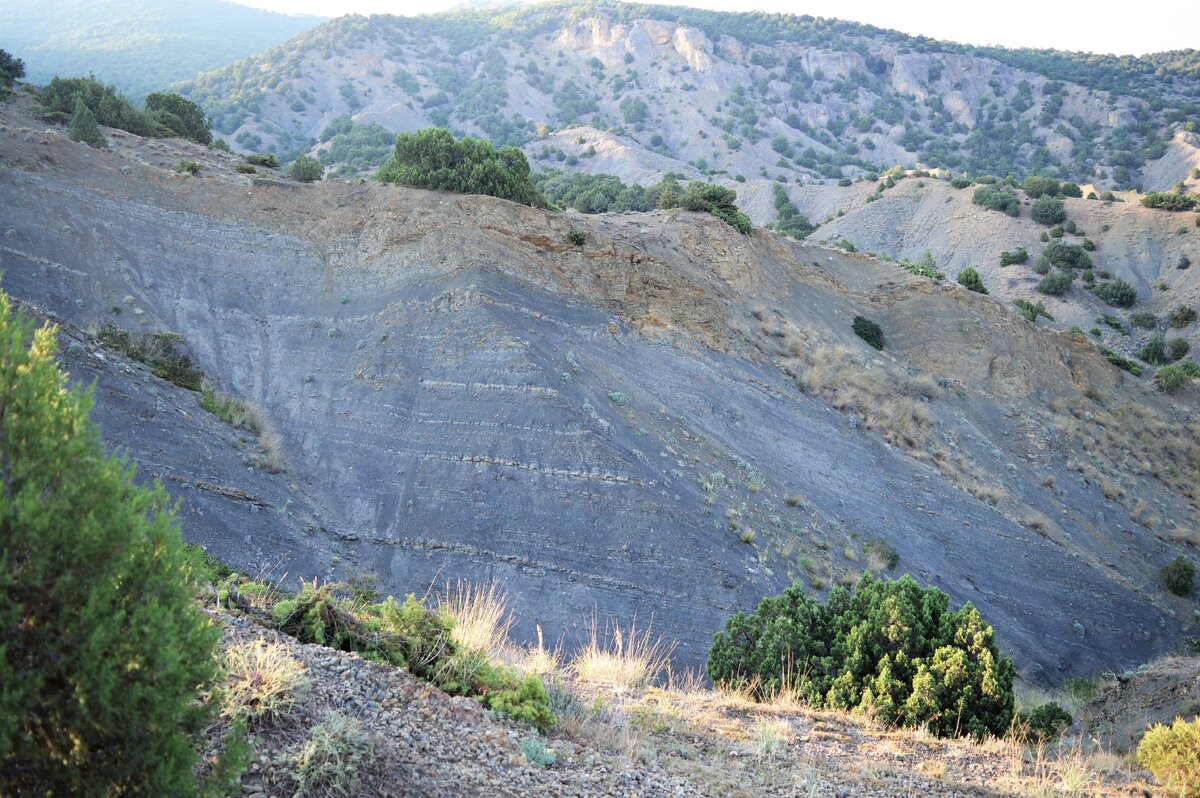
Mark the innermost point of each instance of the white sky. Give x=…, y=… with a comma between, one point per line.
x=1102, y=26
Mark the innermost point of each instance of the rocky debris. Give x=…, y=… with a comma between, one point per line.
x=427, y=744
x=653, y=743
x=1129, y=703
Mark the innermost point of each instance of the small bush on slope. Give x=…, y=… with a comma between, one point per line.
x=717, y=200
x=1044, y=723
x=1018, y=255
x=1172, y=754
x=83, y=127
x=406, y=634
x=891, y=648
x=1048, y=210
x=1173, y=201
x=969, y=279
x=1171, y=378
x=1178, y=575
x=307, y=170
x=998, y=199
x=162, y=352
x=869, y=331
x=1117, y=293
x=104, y=650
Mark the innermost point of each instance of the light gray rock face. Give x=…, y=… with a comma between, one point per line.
x=461, y=394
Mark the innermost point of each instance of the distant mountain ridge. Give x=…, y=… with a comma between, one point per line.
x=736, y=96
x=138, y=45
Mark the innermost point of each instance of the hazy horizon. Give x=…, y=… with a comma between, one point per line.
x=1017, y=23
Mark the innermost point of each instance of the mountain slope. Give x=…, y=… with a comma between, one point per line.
x=1142, y=246
x=744, y=97
x=672, y=420
x=139, y=45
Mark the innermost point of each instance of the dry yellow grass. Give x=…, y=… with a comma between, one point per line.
x=882, y=399
x=270, y=444
x=247, y=415
x=1038, y=522
x=621, y=658
x=1129, y=439
x=263, y=682
x=480, y=613
x=987, y=493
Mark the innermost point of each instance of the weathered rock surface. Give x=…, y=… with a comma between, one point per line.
x=463, y=394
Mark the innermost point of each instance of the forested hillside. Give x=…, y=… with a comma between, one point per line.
x=645, y=90
x=139, y=45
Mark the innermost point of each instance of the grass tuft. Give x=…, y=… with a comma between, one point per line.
x=621, y=658
x=263, y=682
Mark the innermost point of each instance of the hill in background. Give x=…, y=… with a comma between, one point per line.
x=746, y=98
x=139, y=45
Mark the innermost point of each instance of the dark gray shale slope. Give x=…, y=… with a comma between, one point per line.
x=462, y=394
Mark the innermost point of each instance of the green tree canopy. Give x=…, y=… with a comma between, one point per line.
x=179, y=116
x=432, y=158
x=886, y=646
x=11, y=68
x=307, y=170
x=83, y=126
x=111, y=108
x=103, y=648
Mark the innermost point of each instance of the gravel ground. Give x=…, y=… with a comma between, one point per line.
x=643, y=743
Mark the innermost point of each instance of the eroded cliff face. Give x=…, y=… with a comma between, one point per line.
x=609, y=430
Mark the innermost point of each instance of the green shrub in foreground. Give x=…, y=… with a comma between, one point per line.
x=891, y=648
x=331, y=760
x=410, y=635
x=1172, y=754
x=104, y=650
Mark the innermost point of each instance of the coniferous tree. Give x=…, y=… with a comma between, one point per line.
x=103, y=649
x=10, y=69
x=307, y=170
x=83, y=126
x=969, y=279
